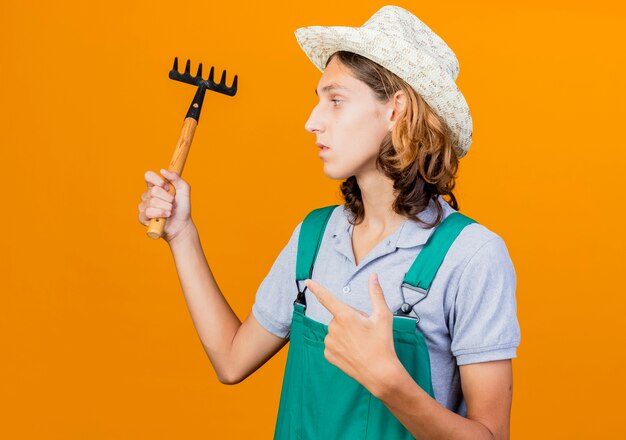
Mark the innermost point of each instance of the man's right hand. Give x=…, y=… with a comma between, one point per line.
x=157, y=202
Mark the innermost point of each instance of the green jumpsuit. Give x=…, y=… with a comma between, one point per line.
x=319, y=401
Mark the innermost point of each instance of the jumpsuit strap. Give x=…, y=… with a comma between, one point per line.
x=422, y=272
x=309, y=242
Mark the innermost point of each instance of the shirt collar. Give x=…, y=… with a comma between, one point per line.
x=415, y=234
x=409, y=234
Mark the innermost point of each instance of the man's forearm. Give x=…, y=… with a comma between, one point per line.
x=213, y=318
x=421, y=415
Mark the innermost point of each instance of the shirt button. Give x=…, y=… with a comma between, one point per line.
x=346, y=289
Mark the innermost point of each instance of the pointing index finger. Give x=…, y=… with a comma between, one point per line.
x=327, y=299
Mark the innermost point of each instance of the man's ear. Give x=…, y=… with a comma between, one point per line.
x=397, y=105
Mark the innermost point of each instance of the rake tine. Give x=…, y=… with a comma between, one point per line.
x=196, y=80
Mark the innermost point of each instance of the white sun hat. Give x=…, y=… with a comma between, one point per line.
x=403, y=44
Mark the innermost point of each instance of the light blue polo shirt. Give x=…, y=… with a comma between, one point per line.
x=469, y=315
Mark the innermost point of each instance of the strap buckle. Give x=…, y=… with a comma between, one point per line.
x=300, y=299
x=406, y=308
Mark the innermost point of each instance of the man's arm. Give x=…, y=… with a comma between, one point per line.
x=487, y=388
x=235, y=350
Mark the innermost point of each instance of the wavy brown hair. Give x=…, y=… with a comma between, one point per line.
x=417, y=155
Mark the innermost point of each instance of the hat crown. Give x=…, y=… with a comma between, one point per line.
x=397, y=22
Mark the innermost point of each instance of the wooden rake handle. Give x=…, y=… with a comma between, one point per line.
x=156, y=226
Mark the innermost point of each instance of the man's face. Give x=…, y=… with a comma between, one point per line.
x=349, y=121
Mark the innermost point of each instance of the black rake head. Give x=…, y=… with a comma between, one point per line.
x=198, y=80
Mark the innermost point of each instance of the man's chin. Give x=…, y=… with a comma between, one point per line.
x=334, y=175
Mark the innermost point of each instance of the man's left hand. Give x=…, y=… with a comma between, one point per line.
x=360, y=345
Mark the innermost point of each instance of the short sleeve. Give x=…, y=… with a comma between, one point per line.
x=484, y=325
x=273, y=306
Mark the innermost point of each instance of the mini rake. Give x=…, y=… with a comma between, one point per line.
x=155, y=229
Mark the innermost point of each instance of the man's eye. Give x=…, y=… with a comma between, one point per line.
x=336, y=101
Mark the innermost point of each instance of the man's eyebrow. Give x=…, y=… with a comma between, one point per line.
x=330, y=87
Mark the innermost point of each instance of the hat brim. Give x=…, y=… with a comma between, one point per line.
x=416, y=67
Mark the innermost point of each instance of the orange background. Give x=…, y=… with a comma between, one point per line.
x=96, y=340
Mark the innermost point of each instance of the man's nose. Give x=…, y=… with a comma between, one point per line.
x=314, y=122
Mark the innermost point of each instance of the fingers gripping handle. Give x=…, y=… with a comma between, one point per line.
x=156, y=226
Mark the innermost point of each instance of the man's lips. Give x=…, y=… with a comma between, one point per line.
x=322, y=146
